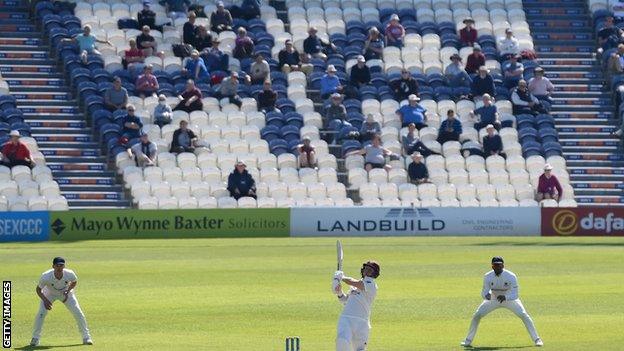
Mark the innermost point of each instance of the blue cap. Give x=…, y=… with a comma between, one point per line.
x=58, y=260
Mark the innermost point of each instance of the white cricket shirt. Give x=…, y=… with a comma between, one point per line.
x=504, y=284
x=359, y=302
x=55, y=286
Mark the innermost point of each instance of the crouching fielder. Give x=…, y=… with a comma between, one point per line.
x=354, y=322
x=500, y=290
x=55, y=284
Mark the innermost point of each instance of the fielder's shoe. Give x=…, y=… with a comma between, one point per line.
x=34, y=342
x=87, y=341
x=539, y=342
x=466, y=343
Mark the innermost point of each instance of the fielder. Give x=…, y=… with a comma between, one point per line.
x=354, y=322
x=58, y=283
x=500, y=289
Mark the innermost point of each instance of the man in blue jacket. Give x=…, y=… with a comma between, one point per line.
x=241, y=183
x=450, y=129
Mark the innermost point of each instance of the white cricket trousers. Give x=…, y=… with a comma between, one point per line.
x=514, y=306
x=352, y=334
x=73, y=307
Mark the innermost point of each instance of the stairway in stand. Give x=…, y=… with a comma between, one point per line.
x=583, y=110
x=50, y=108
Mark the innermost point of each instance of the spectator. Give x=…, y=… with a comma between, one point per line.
x=336, y=110
x=243, y=45
x=220, y=19
x=374, y=155
x=15, y=153
x=307, y=155
x=395, y=33
x=487, y=114
x=147, y=84
x=524, y=102
x=131, y=124
x=369, y=129
x=482, y=84
x=146, y=17
x=189, y=30
x=267, y=98
x=360, y=73
x=143, y=152
x=508, y=46
x=456, y=74
x=475, y=60
x=450, y=128
x=177, y=8
x=548, y=186
x=412, y=144
x=116, y=98
x=413, y=113
x=133, y=58
x=195, y=68
x=417, y=170
x=315, y=46
x=541, y=87
x=405, y=86
x=330, y=83
x=468, y=34
x=146, y=42
x=86, y=43
x=620, y=133
x=249, y=9
x=190, y=99
x=513, y=71
x=290, y=60
x=229, y=89
x=241, y=183
x=215, y=59
x=184, y=140
x=374, y=45
x=203, y=39
x=492, y=143
x=260, y=70
x=615, y=63
x=609, y=36
x=162, y=112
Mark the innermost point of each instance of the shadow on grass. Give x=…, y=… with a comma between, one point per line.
x=502, y=243
x=43, y=347
x=487, y=348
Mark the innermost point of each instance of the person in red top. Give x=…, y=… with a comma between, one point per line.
x=395, y=32
x=133, y=58
x=15, y=153
x=475, y=60
x=468, y=34
x=147, y=84
x=548, y=186
x=190, y=99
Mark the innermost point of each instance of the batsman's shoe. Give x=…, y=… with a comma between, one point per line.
x=34, y=342
x=466, y=343
x=539, y=342
x=87, y=341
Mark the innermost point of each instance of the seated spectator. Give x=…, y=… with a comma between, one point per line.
x=487, y=114
x=468, y=34
x=177, y=8
x=131, y=124
x=162, y=112
x=374, y=155
x=456, y=74
x=374, y=45
x=290, y=60
x=417, y=170
x=405, y=86
x=146, y=42
x=307, y=155
x=229, y=89
x=336, y=110
x=195, y=68
x=214, y=58
x=249, y=9
x=513, y=71
x=190, y=99
x=184, y=140
x=524, y=102
x=369, y=129
x=548, y=186
x=395, y=33
x=115, y=98
x=15, y=153
x=620, y=133
x=450, y=128
x=413, y=113
x=475, y=60
x=541, y=87
x=220, y=19
x=147, y=17
x=316, y=47
x=243, y=45
x=508, y=46
x=260, y=70
x=609, y=36
x=189, y=30
x=146, y=84
x=492, y=143
x=360, y=73
x=330, y=83
x=133, y=58
x=144, y=152
x=267, y=98
x=86, y=43
x=482, y=84
x=412, y=144
x=203, y=39
x=615, y=63
x=241, y=183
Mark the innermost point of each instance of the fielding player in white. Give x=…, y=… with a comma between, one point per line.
x=500, y=290
x=58, y=283
x=354, y=322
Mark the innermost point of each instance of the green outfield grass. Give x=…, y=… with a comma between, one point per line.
x=249, y=294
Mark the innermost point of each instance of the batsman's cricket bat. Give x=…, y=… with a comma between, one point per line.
x=339, y=253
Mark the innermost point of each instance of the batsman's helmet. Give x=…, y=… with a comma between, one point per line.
x=374, y=265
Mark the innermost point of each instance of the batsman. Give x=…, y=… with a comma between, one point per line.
x=354, y=323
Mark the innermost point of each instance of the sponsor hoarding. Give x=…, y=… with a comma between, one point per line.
x=24, y=226
x=374, y=221
x=583, y=221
